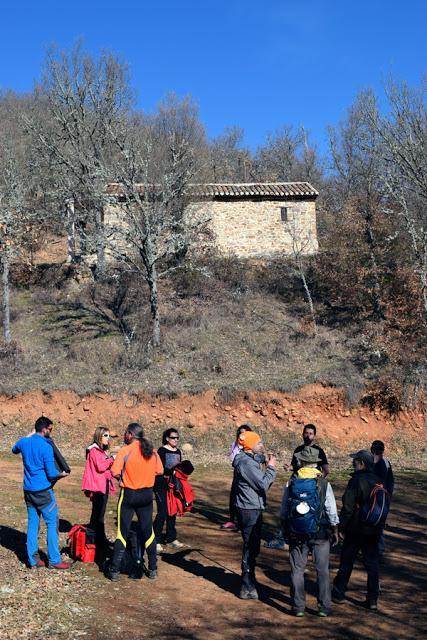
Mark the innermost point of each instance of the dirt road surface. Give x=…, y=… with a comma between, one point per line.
x=195, y=596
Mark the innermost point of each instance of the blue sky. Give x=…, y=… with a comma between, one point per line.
x=258, y=65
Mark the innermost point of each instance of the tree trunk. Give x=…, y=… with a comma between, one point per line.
x=6, y=302
x=309, y=298
x=71, y=232
x=100, y=242
x=154, y=304
x=81, y=225
x=371, y=241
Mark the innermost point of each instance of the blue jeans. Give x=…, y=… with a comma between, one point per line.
x=42, y=503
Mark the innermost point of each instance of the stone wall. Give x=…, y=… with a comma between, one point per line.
x=254, y=228
x=250, y=228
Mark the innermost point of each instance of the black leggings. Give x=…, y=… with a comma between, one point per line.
x=96, y=523
x=163, y=516
x=139, y=501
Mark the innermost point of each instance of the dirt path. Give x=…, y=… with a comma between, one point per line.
x=195, y=595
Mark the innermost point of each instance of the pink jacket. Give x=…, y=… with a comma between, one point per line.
x=97, y=471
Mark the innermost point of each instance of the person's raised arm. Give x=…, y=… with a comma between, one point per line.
x=17, y=447
x=100, y=460
x=258, y=479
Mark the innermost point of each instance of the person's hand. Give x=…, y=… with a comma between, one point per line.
x=334, y=538
x=340, y=537
x=64, y=474
x=271, y=460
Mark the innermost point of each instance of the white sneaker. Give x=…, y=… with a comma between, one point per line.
x=159, y=548
x=176, y=544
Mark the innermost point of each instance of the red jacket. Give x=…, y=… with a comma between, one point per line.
x=180, y=494
x=97, y=471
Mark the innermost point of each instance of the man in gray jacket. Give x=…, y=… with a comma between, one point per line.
x=252, y=483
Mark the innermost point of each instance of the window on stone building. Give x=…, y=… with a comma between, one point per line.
x=284, y=214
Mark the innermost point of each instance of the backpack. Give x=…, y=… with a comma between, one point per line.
x=82, y=543
x=375, y=510
x=305, y=506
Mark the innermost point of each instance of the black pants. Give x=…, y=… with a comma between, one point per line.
x=369, y=546
x=250, y=523
x=162, y=517
x=96, y=523
x=139, y=501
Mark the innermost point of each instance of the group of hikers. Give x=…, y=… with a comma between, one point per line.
x=309, y=521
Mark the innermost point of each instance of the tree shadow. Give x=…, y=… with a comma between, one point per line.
x=224, y=577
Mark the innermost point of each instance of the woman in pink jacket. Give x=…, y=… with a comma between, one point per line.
x=98, y=483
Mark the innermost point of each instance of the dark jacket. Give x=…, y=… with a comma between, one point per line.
x=383, y=470
x=252, y=482
x=60, y=462
x=356, y=494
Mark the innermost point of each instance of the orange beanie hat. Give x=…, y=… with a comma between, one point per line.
x=249, y=439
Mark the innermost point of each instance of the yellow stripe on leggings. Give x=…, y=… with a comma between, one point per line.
x=119, y=533
x=150, y=539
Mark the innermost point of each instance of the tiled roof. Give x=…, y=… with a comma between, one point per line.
x=240, y=190
x=257, y=189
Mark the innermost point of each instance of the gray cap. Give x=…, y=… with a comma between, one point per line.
x=309, y=455
x=364, y=456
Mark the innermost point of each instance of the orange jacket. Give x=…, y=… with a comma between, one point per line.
x=135, y=471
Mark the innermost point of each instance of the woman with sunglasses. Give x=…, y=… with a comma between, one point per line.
x=170, y=456
x=98, y=484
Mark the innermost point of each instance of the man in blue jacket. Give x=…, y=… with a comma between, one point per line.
x=39, y=474
x=252, y=484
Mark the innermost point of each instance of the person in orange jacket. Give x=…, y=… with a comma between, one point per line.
x=136, y=466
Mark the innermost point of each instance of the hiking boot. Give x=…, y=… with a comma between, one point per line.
x=152, y=574
x=39, y=565
x=337, y=597
x=323, y=613
x=229, y=526
x=159, y=548
x=59, y=566
x=248, y=593
x=137, y=572
x=275, y=543
x=176, y=544
x=371, y=605
x=299, y=614
x=112, y=575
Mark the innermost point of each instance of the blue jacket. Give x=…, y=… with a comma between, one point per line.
x=39, y=465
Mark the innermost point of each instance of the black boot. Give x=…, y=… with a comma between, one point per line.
x=248, y=589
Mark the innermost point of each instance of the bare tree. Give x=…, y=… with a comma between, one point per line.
x=354, y=149
x=157, y=160
x=403, y=151
x=228, y=159
x=15, y=217
x=302, y=245
x=80, y=98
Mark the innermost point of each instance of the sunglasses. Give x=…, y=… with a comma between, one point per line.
x=173, y=438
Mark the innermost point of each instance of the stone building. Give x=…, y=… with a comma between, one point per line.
x=258, y=220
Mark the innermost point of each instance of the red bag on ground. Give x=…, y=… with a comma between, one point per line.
x=82, y=543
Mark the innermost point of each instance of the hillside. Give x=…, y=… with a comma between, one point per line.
x=237, y=345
